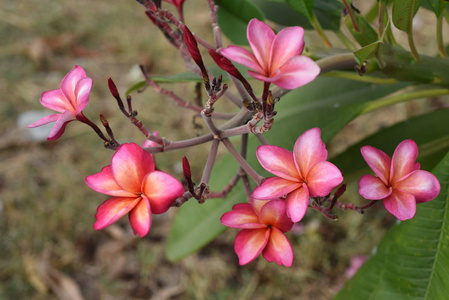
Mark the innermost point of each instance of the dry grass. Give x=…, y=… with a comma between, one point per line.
x=48, y=248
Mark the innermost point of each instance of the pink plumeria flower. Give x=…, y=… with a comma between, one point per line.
x=137, y=188
x=302, y=174
x=399, y=183
x=264, y=223
x=69, y=100
x=277, y=57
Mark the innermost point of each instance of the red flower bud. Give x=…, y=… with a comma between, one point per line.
x=226, y=65
x=186, y=167
x=192, y=46
x=113, y=88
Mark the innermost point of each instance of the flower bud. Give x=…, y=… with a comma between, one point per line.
x=186, y=167
x=113, y=88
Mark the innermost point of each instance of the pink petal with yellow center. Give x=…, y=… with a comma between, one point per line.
x=82, y=91
x=309, y=149
x=242, y=56
x=130, y=164
x=260, y=37
x=59, y=127
x=140, y=218
x=421, y=184
x=56, y=100
x=401, y=204
x=45, y=120
x=249, y=243
x=372, y=188
x=297, y=203
x=105, y=183
x=257, y=204
x=113, y=209
x=404, y=160
x=161, y=189
x=241, y=216
x=296, y=72
x=278, y=161
x=278, y=249
x=323, y=177
x=378, y=161
x=273, y=213
x=69, y=83
x=270, y=77
x=289, y=42
x=274, y=187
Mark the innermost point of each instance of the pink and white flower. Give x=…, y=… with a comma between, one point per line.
x=276, y=58
x=263, y=223
x=302, y=174
x=137, y=188
x=69, y=100
x=399, y=183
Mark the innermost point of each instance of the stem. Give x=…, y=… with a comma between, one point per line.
x=357, y=77
x=411, y=42
x=381, y=18
x=440, y=36
x=242, y=161
x=316, y=24
x=345, y=40
x=351, y=15
x=402, y=98
x=215, y=28
x=210, y=162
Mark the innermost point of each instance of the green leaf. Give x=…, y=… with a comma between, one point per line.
x=304, y=7
x=366, y=34
x=329, y=108
x=437, y=6
x=370, y=50
x=403, y=13
x=328, y=13
x=234, y=16
x=136, y=87
x=412, y=260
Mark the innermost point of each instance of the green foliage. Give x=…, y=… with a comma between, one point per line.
x=304, y=7
x=309, y=106
x=437, y=6
x=403, y=13
x=370, y=50
x=412, y=260
x=366, y=35
x=233, y=17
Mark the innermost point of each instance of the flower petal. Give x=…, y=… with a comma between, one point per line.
x=274, y=187
x=323, y=178
x=260, y=37
x=140, y=218
x=130, y=164
x=45, y=120
x=113, y=209
x=297, y=203
x=257, y=204
x=421, y=184
x=56, y=100
x=82, y=91
x=278, y=161
x=278, y=249
x=69, y=83
x=242, y=56
x=289, y=42
x=378, y=161
x=241, y=216
x=296, y=72
x=105, y=183
x=309, y=149
x=401, y=204
x=273, y=213
x=59, y=127
x=372, y=188
x=260, y=76
x=403, y=161
x=161, y=189
x=249, y=243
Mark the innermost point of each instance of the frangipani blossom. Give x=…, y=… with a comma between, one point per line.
x=69, y=100
x=264, y=223
x=137, y=188
x=399, y=183
x=277, y=57
x=302, y=174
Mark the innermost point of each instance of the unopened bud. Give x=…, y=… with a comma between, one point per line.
x=225, y=64
x=186, y=167
x=104, y=121
x=113, y=88
x=192, y=46
x=341, y=190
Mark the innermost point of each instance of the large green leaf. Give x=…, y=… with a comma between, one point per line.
x=233, y=17
x=437, y=6
x=329, y=108
x=412, y=260
x=304, y=7
x=403, y=13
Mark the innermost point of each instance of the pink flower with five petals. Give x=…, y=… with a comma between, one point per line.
x=302, y=174
x=69, y=100
x=399, y=183
x=277, y=57
x=264, y=223
x=137, y=188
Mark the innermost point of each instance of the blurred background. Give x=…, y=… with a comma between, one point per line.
x=48, y=248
